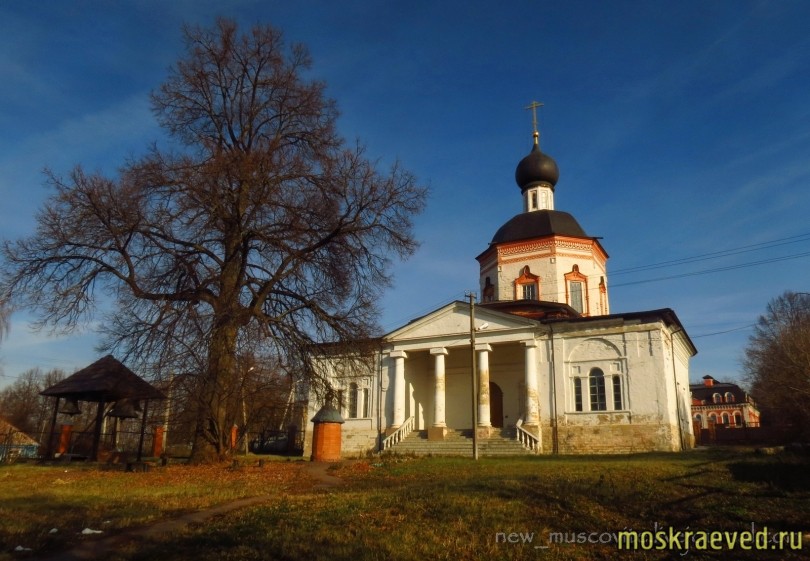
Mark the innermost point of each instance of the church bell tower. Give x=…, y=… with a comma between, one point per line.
x=543, y=255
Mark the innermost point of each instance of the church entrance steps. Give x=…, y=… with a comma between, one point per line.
x=459, y=443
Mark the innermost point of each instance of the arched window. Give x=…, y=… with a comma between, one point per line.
x=725, y=419
x=527, y=285
x=717, y=398
x=489, y=291
x=712, y=418
x=597, y=390
x=737, y=419
x=729, y=397
x=617, y=393
x=576, y=289
x=699, y=420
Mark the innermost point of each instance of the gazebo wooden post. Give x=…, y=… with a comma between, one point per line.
x=49, y=446
x=143, y=428
x=97, y=431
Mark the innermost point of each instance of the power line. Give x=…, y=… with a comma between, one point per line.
x=749, y=326
x=715, y=254
x=715, y=270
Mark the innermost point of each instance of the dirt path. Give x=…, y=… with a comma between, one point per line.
x=100, y=548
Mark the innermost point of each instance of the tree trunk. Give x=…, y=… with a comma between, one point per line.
x=212, y=431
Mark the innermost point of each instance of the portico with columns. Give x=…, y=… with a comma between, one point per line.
x=428, y=370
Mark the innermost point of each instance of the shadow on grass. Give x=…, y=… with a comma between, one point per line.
x=785, y=475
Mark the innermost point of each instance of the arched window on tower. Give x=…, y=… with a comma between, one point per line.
x=527, y=285
x=489, y=291
x=576, y=290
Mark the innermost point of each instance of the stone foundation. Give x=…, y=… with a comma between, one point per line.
x=612, y=439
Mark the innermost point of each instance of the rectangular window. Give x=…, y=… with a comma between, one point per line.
x=353, y=401
x=598, y=402
x=617, y=393
x=577, y=394
x=575, y=289
x=366, y=403
x=339, y=404
x=529, y=292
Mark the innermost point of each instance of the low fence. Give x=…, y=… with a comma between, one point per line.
x=128, y=445
x=755, y=435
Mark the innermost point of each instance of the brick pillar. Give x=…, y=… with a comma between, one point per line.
x=64, y=439
x=157, y=441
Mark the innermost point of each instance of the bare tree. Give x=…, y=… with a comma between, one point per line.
x=23, y=407
x=261, y=220
x=5, y=319
x=777, y=359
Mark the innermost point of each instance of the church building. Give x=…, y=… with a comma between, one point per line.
x=547, y=364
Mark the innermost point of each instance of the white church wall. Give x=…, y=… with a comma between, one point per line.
x=647, y=419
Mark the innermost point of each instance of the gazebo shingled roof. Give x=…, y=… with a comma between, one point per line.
x=106, y=380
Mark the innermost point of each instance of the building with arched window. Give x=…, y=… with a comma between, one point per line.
x=555, y=367
x=722, y=403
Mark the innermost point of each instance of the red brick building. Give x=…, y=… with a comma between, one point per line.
x=722, y=403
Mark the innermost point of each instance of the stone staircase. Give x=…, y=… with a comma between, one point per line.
x=459, y=443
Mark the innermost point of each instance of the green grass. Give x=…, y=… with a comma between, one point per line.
x=453, y=508
x=71, y=497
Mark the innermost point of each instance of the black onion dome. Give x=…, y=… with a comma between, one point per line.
x=538, y=224
x=536, y=168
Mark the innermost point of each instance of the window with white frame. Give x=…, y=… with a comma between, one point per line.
x=577, y=394
x=353, y=400
x=366, y=402
x=575, y=288
x=617, y=393
x=596, y=380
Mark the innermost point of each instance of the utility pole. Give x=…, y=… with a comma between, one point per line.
x=471, y=296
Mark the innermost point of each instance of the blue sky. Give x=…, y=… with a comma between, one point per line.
x=681, y=129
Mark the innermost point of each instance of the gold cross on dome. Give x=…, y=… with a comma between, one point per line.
x=533, y=106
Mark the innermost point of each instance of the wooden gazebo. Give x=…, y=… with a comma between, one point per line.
x=105, y=381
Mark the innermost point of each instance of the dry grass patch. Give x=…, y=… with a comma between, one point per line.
x=36, y=499
x=434, y=508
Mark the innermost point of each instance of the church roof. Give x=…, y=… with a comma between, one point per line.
x=537, y=224
x=533, y=309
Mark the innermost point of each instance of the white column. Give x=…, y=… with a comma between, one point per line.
x=483, y=384
x=439, y=388
x=399, y=387
x=532, y=408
